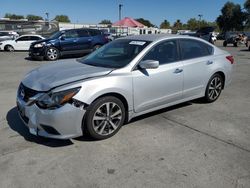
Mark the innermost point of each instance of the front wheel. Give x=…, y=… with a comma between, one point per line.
x=214, y=88
x=104, y=117
x=52, y=54
x=9, y=48
x=225, y=43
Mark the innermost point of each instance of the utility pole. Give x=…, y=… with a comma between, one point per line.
x=47, y=16
x=120, y=11
x=200, y=16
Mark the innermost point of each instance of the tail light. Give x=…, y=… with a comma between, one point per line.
x=230, y=58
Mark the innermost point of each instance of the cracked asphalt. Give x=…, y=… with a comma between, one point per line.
x=191, y=145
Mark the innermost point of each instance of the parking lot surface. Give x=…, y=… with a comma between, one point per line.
x=188, y=145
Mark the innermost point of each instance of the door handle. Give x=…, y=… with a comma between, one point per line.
x=210, y=62
x=178, y=71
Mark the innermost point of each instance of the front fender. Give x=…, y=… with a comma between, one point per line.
x=96, y=87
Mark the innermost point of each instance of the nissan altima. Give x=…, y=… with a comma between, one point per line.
x=123, y=79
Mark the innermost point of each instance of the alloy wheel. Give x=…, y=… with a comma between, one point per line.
x=10, y=48
x=107, y=118
x=52, y=54
x=215, y=88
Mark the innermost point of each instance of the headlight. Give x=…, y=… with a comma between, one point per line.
x=55, y=100
x=39, y=45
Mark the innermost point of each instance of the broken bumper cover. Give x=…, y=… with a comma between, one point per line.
x=61, y=123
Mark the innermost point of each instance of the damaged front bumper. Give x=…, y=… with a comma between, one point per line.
x=61, y=123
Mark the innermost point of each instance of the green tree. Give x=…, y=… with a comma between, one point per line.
x=232, y=17
x=178, y=25
x=247, y=8
x=62, y=18
x=32, y=17
x=193, y=24
x=145, y=22
x=13, y=16
x=165, y=25
x=108, y=22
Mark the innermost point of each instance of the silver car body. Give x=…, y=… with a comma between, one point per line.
x=142, y=93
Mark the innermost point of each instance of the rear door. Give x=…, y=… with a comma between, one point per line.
x=85, y=40
x=197, y=61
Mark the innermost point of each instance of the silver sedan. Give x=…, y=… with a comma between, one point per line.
x=123, y=79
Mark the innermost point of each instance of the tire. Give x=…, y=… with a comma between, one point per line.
x=225, y=43
x=235, y=44
x=9, y=48
x=214, y=88
x=99, y=122
x=97, y=46
x=52, y=54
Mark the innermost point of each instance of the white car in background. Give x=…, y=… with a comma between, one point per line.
x=8, y=35
x=21, y=43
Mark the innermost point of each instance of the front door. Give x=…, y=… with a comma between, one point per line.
x=69, y=41
x=157, y=87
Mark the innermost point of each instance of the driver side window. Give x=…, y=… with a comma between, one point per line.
x=165, y=52
x=70, y=34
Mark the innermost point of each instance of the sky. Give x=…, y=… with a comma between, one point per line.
x=93, y=11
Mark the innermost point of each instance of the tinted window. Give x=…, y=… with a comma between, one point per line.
x=194, y=49
x=34, y=38
x=26, y=38
x=83, y=33
x=70, y=34
x=165, y=52
x=94, y=32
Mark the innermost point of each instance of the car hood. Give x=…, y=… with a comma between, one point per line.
x=60, y=73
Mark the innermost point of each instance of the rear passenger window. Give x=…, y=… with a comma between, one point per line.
x=165, y=52
x=94, y=32
x=83, y=33
x=194, y=49
x=34, y=38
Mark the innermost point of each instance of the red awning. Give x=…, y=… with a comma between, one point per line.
x=128, y=22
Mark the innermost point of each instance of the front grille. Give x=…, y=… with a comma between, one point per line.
x=26, y=93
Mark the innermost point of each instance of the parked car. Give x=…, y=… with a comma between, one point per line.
x=21, y=43
x=126, y=78
x=235, y=38
x=68, y=42
x=205, y=33
x=8, y=35
x=109, y=36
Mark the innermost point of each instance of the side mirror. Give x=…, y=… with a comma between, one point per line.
x=149, y=64
x=62, y=37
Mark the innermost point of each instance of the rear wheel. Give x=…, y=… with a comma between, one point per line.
x=104, y=117
x=214, y=88
x=52, y=54
x=9, y=48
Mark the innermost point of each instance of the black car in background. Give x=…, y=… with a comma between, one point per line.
x=236, y=38
x=205, y=33
x=68, y=42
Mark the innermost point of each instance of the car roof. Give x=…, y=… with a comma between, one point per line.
x=30, y=35
x=156, y=37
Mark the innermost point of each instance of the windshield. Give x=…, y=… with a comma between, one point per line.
x=56, y=35
x=116, y=54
